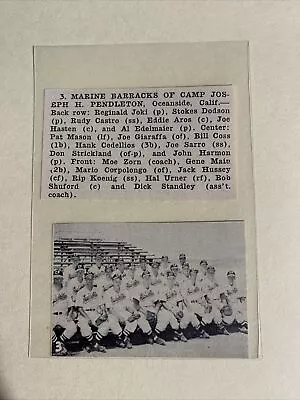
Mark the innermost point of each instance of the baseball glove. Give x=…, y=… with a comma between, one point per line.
x=179, y=314
x=133, y=317
x=102, y=318
x=136, y=304
x=151, y=317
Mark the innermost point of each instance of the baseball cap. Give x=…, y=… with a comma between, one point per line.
x=231, y=273
x=57, y=273
x=156, y=264
x=89, y=272
x=211, y=268
x=170, y=274
x=116, y=275
x=146, y=272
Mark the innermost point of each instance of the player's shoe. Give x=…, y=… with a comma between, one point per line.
x=120, y=343
x=203, y=335
x=99, y=348
x=59, y=349
x=128, y=343
x=159, y=341
x=180, y=336
x=150, y=340
x=243, y=329
x=223, y=330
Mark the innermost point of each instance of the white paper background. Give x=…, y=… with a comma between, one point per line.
x=273, y=29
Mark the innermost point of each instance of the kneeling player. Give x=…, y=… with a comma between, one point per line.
x=92, y=312
x=120, y=306
x=192, y=297
x=237, y=300
x=60, y=314
x=146, y=301
x=171, y=310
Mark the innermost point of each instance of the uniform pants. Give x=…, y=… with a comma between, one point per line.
x=69, y=326
x=130, y=327
x=111, y=324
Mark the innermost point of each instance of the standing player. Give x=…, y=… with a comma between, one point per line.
x=121, y=268
x=201, y=277
x=185, y=276
x=157, y=279
x=182, y=260
x=105, y=281
x=60, y=315
x=130, y=282
x=98, y=268
x=175, y=270
x=143, y=265
x=210, y=286
x=165, y=266
x=75, y=284
x=92, y=312
x=70, y=270
x=121, y=307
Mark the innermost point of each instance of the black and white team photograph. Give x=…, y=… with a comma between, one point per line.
x=149, y=290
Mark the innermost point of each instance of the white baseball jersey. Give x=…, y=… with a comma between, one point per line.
x=117, y=301
x=73, y=287
x=211, y=288
x=69, y=273
x=147, y=296
x=88, y=299
x=129, y=284
x=158, y=281
x=104, y=282
x=191, y=292
x=232, y=291
x=59, y=300
x=172, y=297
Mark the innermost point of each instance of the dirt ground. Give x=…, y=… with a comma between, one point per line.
x=233, y=346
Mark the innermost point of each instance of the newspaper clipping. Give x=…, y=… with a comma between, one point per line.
x=149, y=289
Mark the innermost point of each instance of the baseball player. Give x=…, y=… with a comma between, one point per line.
x=121, y=268
x=121, y=307
x=75, y=284
x=130, y=282
x=175, y=270
x=192, y=303
x=105, y=281
x=185, y=277
x=164, y=265
x=92, y=312
x=237, y=300
x=156, y=278
x=143, y=265
x=201, y=277
x=210, y=286
x=70, y=270
x=210, y=301
x=146, y=301
x=98, y=268
x=182, y=259
x=60, y=314
x=171, y=310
